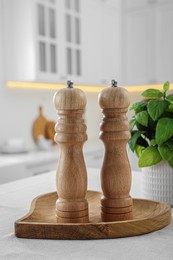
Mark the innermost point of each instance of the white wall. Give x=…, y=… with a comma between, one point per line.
x=19, y=109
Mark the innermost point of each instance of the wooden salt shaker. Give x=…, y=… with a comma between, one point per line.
x=116, y=204
x=71, y=182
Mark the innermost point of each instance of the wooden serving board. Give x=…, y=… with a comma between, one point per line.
x=50, y=131
x=39, y=126
x=41, y=221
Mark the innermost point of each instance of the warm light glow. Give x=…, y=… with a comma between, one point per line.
x=87, y=88
x=144, y=87
x=50, y=86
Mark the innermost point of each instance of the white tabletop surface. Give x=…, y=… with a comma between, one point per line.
x=15, y=199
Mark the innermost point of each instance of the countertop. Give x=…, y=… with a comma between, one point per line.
x=15, y=199
x=14, y=166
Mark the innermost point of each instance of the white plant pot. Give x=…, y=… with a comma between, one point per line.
x=157, y=182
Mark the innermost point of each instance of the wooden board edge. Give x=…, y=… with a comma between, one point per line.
x=24, y=229
x=32, y=207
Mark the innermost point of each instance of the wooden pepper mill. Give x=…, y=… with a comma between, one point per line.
x=116, y=204
x=71, y=182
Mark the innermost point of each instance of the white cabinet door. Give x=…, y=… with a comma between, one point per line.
x=46, y=40
x=134, y=4
x=42, y=40
x=18, y=40
x=164, y=43
x=138, y=47
x=92, y=41
x=101, y=41
x=148, y=37
x=164, y=1
x=110, y=48
x=56, y=40
x=73, y=52
x=30, y=40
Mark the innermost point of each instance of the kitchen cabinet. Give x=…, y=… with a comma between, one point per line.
x=38, y=39
x=49, y=40
x=164, y=39
x=19, y=166
x=147, y=37
x=18, y=40
x=101, y=45
x=135, y=4
x=46, y=41
x=69, y=27
x=136, y=44
x=24, y=165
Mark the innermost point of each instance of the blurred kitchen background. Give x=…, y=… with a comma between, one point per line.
x=44, y=43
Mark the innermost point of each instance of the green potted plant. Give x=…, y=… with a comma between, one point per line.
x=151, y=130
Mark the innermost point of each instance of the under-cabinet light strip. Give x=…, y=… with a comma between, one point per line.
x=50, y=86
x=87, y=88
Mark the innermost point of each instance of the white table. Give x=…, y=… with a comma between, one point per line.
x=15, y=199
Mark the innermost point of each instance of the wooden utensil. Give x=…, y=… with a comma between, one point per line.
x=50, y=131
x=39, y=126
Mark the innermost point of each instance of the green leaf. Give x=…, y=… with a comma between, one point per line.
x=156, y=108
x=142, y=118
x=132, y=123
x=164, y=130
x=153, y=142
x=152, y=93
x=149, y=157
x=134, y=106
x=139, y=149
x=169, y=143
x=166, y=86
x=165, y=152
x=170, y=97
x=133, y=140
x=170, y=108
x=171, y=162
x=139, y=106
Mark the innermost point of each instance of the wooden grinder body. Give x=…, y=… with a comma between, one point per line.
x=116, y=203
x=71, y=180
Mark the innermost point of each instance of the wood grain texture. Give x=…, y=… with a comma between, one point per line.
x=71, y=206
x=50, y=131
x=115, y=172
x=39, y=125
x=41, y=221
